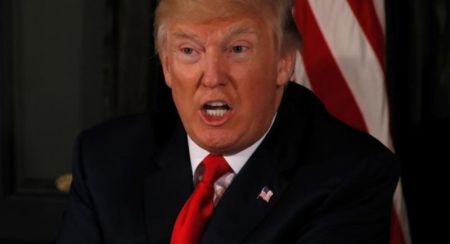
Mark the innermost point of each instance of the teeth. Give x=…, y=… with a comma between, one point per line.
x=216, y=112
x=217, y=104
x=216, y=108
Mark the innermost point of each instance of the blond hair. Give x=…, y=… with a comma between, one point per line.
x=278, y=13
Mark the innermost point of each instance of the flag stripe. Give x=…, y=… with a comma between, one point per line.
x=349, y=46
x=402, y=228
x=379, y=9
x=300, y=75
x=395, y=228
x=326, y=79
x=344, y=53
x=368, y=19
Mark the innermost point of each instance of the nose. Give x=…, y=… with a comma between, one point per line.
x=214, y=71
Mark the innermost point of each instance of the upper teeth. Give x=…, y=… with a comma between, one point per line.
x=216, y=108
x=216, y=112
x=217, y=104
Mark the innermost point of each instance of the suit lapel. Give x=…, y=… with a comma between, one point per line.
x=240, y=210
x=167, y=186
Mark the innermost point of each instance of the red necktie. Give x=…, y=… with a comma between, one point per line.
x=194, y=215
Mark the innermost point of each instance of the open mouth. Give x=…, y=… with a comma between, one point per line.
x=216, y=109
x=216, y=113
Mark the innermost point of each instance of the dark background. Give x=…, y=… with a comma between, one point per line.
x=67, y=65
x=418, y=55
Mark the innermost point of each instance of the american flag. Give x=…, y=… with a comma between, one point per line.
x=343, y=62
x=265, y=194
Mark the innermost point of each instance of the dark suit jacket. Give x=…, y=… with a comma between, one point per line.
x=331, y=184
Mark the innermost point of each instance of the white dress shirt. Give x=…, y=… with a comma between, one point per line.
x=236, y=162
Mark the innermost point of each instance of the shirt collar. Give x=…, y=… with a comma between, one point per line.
x=236, y=161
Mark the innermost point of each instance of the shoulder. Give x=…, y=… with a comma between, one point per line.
x=118, y=129
x=344, y=161
x=115, y=147
x=322, y=140
x=111, y=161
x=304, y=108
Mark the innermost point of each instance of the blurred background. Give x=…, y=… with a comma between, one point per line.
x=67, y=65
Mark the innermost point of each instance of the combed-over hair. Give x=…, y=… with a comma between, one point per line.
x=277, y=12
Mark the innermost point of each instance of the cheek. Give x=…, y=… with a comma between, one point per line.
x=262, y=68
x=261, y=90
x=184, y=82
x=257, y=80
x=183, y=75
x=259, y=98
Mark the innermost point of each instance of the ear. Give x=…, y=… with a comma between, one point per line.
x=286, y=66
x=166, y=69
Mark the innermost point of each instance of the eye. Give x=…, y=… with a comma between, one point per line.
x=187, y=50
x=239, y=49
x=187, y=53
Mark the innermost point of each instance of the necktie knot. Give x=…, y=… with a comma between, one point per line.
x=214, y=167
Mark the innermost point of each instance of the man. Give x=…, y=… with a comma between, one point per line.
x=250, y=159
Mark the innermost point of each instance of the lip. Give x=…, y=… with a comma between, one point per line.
x=215, y=121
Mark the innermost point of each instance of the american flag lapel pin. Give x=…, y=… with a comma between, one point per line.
x=265, y=194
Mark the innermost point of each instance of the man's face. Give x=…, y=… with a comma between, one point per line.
x=227, y=77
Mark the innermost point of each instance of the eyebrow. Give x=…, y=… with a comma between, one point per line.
x=185, y=35
x=237, y=30
x=240, y=30
x=231, y=32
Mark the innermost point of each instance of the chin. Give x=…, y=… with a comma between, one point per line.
x=217, y=143
x=217, y=147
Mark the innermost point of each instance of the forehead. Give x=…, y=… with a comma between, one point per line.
x=224, y=26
